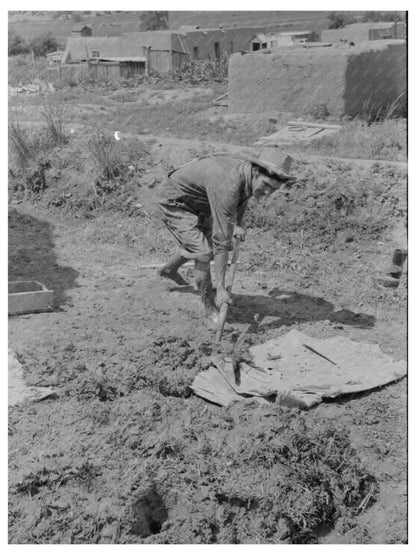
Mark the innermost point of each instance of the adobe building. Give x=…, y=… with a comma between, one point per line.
x=362, y=32
x=164, y=51
x=297, y=79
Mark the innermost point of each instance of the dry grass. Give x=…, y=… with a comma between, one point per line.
x=52, y=116
x=374, y=112
x=385, y=140
x=20, y=144
x=106, y=155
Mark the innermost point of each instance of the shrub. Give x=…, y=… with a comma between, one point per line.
x=23, y=69
x=339, y=19
x=43, y=44
x=153, y=21
x=16, y=44
x=77, y=16
x=203, y=72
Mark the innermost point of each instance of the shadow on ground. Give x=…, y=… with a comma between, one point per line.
x=285, y=308
x=32, y=256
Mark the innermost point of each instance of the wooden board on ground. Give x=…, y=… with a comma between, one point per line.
x=298, y=131
x=29, y=296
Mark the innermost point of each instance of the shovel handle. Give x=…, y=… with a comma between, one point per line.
x=224, y=307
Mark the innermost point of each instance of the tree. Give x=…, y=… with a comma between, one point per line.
x=76, y=16
x=153, y=21
x=383, y=16
x=339, y=19
x=16, y=45
x=43, y=44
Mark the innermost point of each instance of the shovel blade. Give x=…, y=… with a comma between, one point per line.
x=221, y=321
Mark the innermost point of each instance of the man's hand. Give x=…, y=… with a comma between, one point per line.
x=239, y=233
x=223, y=297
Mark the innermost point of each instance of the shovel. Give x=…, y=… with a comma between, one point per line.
x=224, y=307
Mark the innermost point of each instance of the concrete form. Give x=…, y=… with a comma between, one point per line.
x=29, y=296
x=296, y=79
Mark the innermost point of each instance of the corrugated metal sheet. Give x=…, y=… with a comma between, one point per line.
x=107, y=47
x=139, y=59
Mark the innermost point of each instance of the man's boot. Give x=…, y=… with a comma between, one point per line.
x=399, y=258
x=205, y=288
x=170, y=269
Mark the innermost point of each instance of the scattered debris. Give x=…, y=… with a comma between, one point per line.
x=33, y=88
x=17, y=388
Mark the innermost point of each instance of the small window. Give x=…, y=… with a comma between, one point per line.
x=95, y=53
x=264, y=44
x=256, y=46
x=217, y=50
x=195, y=53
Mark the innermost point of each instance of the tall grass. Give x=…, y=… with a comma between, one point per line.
x=106, y=155
x=52, y=116
x=20, y=144
x=373, y=112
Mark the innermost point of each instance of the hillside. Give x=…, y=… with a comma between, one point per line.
x=29, y=25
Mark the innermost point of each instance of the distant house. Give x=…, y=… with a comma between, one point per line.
x=55, y=57
x=108, y=57
x=362, y=32
x=164, y=51
x=271, y=40
x=81, y=30
x=216, y=44
x=396, y=30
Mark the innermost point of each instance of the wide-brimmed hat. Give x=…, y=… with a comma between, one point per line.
x=275, y=162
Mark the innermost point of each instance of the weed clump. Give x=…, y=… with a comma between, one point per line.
x=269, y=480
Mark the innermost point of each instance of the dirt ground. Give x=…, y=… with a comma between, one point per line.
x=125, y=453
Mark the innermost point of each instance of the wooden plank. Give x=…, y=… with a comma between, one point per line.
x=161, y=264
x=312, y=124
x=219, y=98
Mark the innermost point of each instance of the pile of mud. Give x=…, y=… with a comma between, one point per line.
x=335, y=200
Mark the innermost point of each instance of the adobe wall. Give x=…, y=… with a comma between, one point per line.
x=354, y=34
x=298, y=80
x=230, y=40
